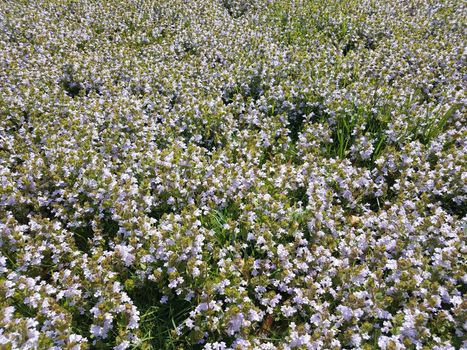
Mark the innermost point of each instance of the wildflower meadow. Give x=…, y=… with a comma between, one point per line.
x=233, y=174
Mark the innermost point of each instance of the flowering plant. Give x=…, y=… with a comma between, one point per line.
x=232, y=174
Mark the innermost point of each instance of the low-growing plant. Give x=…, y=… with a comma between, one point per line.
x=232, y=174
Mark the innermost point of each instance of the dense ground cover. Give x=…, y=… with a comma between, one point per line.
x=232, y=174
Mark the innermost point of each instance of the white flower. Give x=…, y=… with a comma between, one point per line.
x=391, y=264
x=8, y=313
x=125, y=254
x=123, y=345
x=235, y=324
x=347, y=312
x=288, y=311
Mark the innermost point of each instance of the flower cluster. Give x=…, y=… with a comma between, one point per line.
x=233, y=174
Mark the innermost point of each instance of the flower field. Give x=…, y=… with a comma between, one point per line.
x=233, y=174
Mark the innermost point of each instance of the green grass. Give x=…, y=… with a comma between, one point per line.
x=158, y=322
